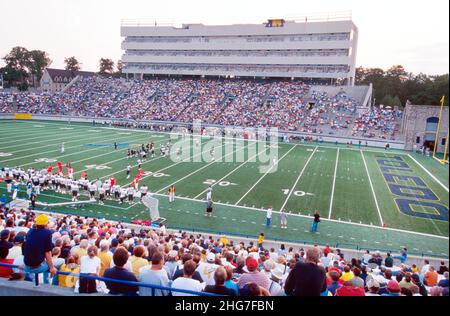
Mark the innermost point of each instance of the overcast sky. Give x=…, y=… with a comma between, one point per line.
x=412, y=33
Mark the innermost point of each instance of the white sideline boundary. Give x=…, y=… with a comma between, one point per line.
x=259, y=210
x=334, y=183
x=429, y=173
x=311, y=217
x=373, y=191
x=64, y=203
x=298, y=178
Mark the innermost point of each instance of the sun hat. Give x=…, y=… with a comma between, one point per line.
x=42, y=220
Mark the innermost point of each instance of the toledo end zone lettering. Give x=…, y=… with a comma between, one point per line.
x=410, y=194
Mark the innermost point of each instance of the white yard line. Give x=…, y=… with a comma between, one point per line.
x=289, y=214
x=334, y=183
x=75, y=153
x=310, y=217
x=429, y=173
x=371, y=187
x=194, y=172
x=298, y=178
x=174, y=164
x=49, y=151
x=109, y=162
x=229, y=173
x=76, y=138
x=262, y=177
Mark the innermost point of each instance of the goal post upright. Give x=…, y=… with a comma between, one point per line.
x=438, y=129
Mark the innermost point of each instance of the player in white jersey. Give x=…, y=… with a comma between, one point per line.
x=41, y=181
x=116, y=191
x=92, y=190
x=75, y=188
x=123, y=195
x=63, y=185
x=101, y=195
x=128, y=172
x=107, y=187
x=143, y=190
x=130, y=193
x=62, y=148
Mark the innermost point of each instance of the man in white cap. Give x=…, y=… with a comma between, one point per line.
x=171, y=263
x=275, y=288
x=207, y=269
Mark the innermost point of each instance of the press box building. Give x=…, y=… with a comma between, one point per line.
x=310, y=47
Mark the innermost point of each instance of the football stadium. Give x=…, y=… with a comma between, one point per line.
x=237, y=160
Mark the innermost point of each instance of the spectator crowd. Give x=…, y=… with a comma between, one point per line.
x=287, y=105
x=181, y=260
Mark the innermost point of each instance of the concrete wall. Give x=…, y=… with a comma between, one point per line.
x=25, y=288
x=414, y=124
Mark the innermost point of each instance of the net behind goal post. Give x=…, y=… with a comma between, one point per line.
x=153, y=206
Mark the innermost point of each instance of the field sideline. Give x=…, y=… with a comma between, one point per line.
x=347, y=186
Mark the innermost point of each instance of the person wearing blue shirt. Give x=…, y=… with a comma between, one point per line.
x=37, y=249
x=118, y=272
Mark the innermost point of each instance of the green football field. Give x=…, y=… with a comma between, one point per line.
x=367, y=197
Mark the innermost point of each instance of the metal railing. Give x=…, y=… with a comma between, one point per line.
x=98, y=278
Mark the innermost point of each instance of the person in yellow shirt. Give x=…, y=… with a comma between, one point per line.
x=105, y=257
x=71, y=267
x=82, y=250
x=260, y=241
x=224, y=240
x=348, y=274
x=137, y=261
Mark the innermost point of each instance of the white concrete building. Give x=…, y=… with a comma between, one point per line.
x=313, y=48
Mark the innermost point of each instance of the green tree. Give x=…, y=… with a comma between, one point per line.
x=106, y=66
x=72, y=64
x=39, y=60
x=16, y=70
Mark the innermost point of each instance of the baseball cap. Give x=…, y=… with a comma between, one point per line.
x=5, y=233
x=211, y=257
x=173, y=254
x=393, y=286
x=42, y=220
x=19, y=238
x=251, y=263
x=277, y=273
x=373, y=283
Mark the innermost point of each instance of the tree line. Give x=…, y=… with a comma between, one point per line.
x=395, y=86
x=24, y=68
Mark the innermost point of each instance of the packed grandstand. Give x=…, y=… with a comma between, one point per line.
x=287, y=105
x=88, y=255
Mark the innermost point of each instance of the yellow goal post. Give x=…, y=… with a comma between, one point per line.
x=444, y=159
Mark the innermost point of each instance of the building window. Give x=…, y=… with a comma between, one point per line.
x=443, y=141
x=418, y=140
x=432, y=123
